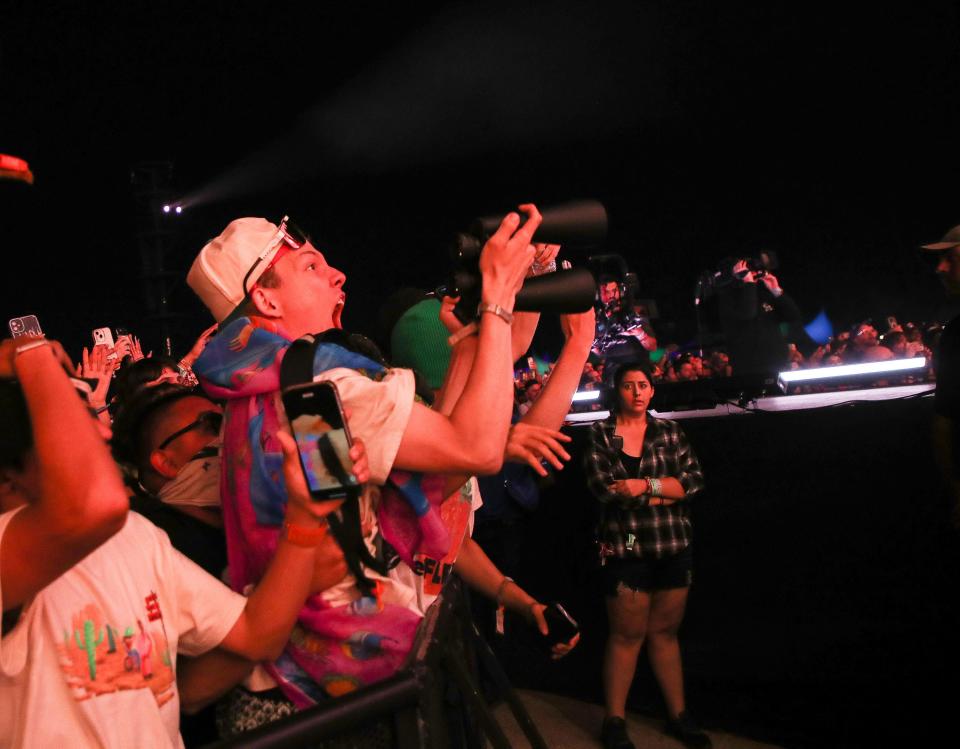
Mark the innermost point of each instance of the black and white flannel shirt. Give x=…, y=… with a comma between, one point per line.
x=630, y=526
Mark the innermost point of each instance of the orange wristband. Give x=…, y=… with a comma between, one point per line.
x=306, y=537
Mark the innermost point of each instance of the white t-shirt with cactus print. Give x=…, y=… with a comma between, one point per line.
x=91, y=661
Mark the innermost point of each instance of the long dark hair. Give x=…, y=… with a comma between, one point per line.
x=637, y=365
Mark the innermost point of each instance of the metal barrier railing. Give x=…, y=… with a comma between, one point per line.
x=413, y=706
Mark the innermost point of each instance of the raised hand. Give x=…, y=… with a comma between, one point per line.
x=97, y=365
x=544, y=259
x=198, y=346
x=528, y=443
x=581, y=326
x=507, y=256
x=741, y=271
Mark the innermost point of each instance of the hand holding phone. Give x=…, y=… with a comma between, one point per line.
x=562, y=632
x=323, y=439
x=562, y=627
x=104, y=337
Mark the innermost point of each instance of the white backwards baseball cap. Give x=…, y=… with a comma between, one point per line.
x=230, y=264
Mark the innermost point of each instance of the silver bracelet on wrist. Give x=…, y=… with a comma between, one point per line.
x=654, y=487
x=495, y=309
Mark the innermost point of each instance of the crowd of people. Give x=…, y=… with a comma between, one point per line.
x=162, y=551
x=856, y=344
x=127, y=614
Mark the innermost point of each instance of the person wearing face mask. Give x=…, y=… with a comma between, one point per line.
x=643, y=472
x=77, y=569
x=171, y=434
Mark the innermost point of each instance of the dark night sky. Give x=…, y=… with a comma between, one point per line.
x=708, y=129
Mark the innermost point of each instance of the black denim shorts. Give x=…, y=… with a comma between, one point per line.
x=648, y=575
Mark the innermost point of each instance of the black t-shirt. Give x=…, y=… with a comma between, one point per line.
x=631, y=464
x=204, y=544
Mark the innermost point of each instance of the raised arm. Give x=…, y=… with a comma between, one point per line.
x=554, y=402
x=76, y=496
x=471, y=438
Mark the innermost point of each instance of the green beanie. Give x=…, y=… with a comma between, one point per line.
x=419, y=341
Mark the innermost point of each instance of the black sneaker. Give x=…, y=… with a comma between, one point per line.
x=614, y=734
x=685, y=729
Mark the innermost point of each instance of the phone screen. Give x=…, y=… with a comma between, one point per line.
x=322, y=439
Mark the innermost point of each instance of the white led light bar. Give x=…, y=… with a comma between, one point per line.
x=851, y=370
x=586, y=395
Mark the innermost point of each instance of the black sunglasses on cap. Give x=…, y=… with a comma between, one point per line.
x=289, y=234
x=208, y=420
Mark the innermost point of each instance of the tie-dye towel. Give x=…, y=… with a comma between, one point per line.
x=333, y=649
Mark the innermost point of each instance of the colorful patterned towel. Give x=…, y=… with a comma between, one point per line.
x=333, y=650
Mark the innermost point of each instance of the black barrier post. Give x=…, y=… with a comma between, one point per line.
x=471, y=692
x=493, y=667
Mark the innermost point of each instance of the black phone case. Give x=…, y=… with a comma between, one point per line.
x=561, y=626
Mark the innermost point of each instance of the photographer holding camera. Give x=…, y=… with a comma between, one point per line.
x=622, y=335
x=752, y=308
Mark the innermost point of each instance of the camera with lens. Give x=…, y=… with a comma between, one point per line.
x=576, y=225
x=710, y=282
x=765, y=261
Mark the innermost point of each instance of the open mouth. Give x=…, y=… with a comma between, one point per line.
x=338, y=311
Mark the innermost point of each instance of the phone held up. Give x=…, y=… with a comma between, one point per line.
x=26, y=325
x=323, y=439
x=104, y=337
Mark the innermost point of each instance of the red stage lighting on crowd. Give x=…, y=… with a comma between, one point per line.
x=14, y=168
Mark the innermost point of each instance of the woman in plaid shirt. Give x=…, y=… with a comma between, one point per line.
x=644, y=472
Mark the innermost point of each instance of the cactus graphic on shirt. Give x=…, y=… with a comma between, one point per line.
x=111, y=640
x=89, y=645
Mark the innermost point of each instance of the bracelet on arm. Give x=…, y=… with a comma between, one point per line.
x=464, y=332
x=495, y=309
x=498, y=615
x=655, y=487
x=298, y=535
x=503, y=584
x=29, y=345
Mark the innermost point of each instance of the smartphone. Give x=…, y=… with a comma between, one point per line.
x=124, y=334
x=323, y=439
x=562, y=627
x=26, y=325
x=103, y=337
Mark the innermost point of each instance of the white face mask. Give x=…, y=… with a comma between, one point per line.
x=197, y=484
